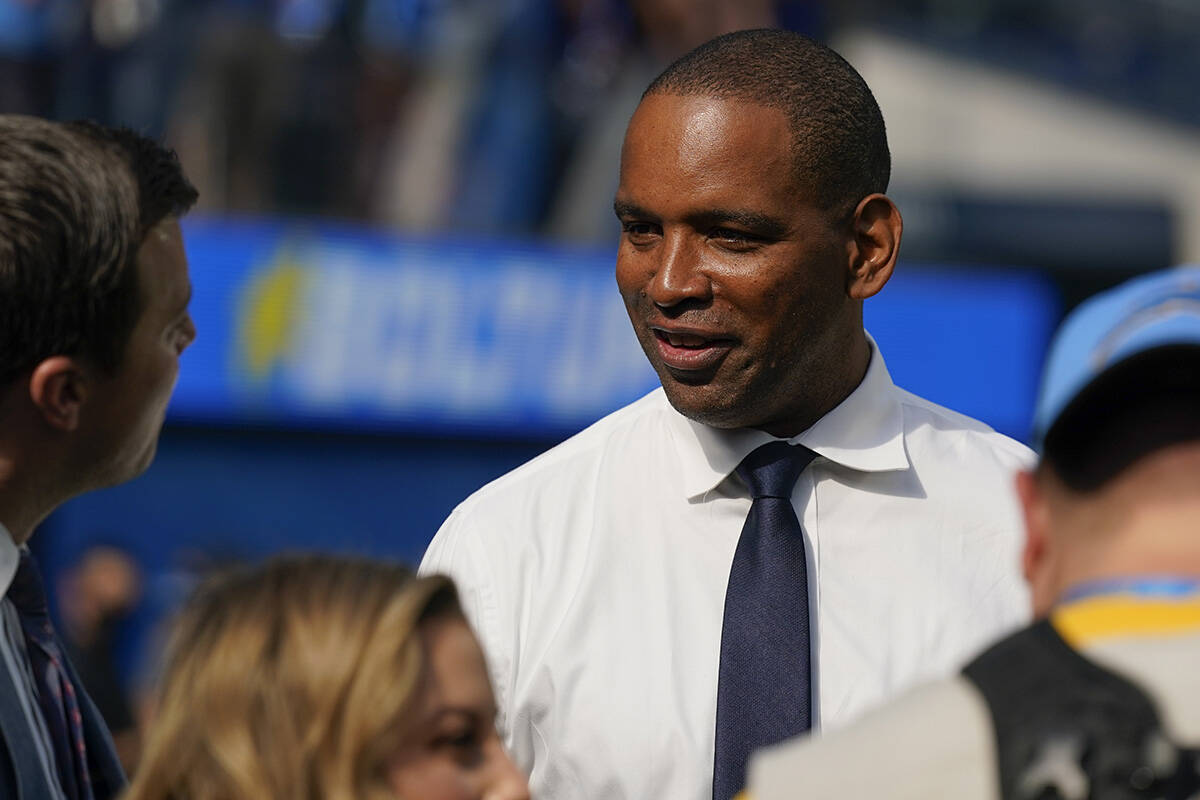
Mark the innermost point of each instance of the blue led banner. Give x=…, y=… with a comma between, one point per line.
x=322, y=325
x=328, y=325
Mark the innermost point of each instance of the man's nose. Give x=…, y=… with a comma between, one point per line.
x=679, y=276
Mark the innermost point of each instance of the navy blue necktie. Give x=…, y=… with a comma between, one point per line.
x=57, y=696
x=765, y=681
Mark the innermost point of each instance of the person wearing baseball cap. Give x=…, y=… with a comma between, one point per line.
x=1100, y=697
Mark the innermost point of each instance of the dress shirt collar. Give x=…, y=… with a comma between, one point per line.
x=10, y=556
x=865, y=432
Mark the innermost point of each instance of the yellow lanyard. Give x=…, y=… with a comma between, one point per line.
x=1126, y=614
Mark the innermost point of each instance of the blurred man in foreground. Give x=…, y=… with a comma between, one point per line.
x=94, y=294
x=780, y=537
x=1102, y=696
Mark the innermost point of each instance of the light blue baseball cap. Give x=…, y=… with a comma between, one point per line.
x=1161, y=309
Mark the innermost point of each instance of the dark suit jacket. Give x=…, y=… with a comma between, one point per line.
x=21, y=776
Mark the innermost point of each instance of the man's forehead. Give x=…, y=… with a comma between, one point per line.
x=703, y=143
x=704, y=124
x=162, y=264
x=701, y=108
x=163, y=239
x=165, y=231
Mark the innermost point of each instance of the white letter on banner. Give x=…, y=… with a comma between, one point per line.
x=315, y=374
x=602, y=366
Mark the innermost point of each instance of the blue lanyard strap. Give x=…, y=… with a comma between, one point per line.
x=1161, y=586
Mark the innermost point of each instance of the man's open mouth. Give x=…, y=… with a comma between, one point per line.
x=689, y=350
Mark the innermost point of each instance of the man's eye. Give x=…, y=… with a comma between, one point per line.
x=639, y=229
x=733, y=236
x=735, y=241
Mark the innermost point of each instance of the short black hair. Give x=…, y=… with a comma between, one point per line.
x=1145, y=403
x=839, y=142
x=76, y=202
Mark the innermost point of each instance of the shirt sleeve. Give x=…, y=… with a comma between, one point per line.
x=458, y=551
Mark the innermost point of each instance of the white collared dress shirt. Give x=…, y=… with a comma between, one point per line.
x=595, y=576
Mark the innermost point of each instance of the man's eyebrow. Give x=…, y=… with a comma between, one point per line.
x=753, y=221
x=760, y=224
x=624, y=209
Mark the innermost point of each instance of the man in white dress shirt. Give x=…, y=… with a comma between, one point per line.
x=599, y=575
x=94, y=292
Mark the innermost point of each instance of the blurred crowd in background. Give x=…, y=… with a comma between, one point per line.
x=488, y=116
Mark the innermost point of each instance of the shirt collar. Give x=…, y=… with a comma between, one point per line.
x=865, y=432
x=10, y=556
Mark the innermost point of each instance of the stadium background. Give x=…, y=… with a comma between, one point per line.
x=403, y=251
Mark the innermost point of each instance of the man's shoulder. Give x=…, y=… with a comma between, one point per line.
x=887, y=754
x=954, y=435
x=577, y=460
x=538, y=517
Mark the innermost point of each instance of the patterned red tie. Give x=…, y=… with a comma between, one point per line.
x=56, y=695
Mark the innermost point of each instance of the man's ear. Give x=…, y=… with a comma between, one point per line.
x=1037, y=560
x=58, y=388
x=876, y=228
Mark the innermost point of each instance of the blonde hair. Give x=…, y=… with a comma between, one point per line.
x=290, y=681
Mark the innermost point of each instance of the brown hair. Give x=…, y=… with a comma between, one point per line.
x=289, y=681
x=76, y=202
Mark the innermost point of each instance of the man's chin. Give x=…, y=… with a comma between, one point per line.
x=707, y=403
x=147, y=458
x=127, y=469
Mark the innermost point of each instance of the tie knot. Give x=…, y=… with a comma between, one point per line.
x=772, y=470
x=27, y=592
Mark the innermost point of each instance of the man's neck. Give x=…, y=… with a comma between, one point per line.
x=1144, y=522
x=23, y=503
x=855, y=362
x=19, y=522
x=1158, y=542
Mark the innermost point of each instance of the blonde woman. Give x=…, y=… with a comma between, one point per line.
x=325, y=678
